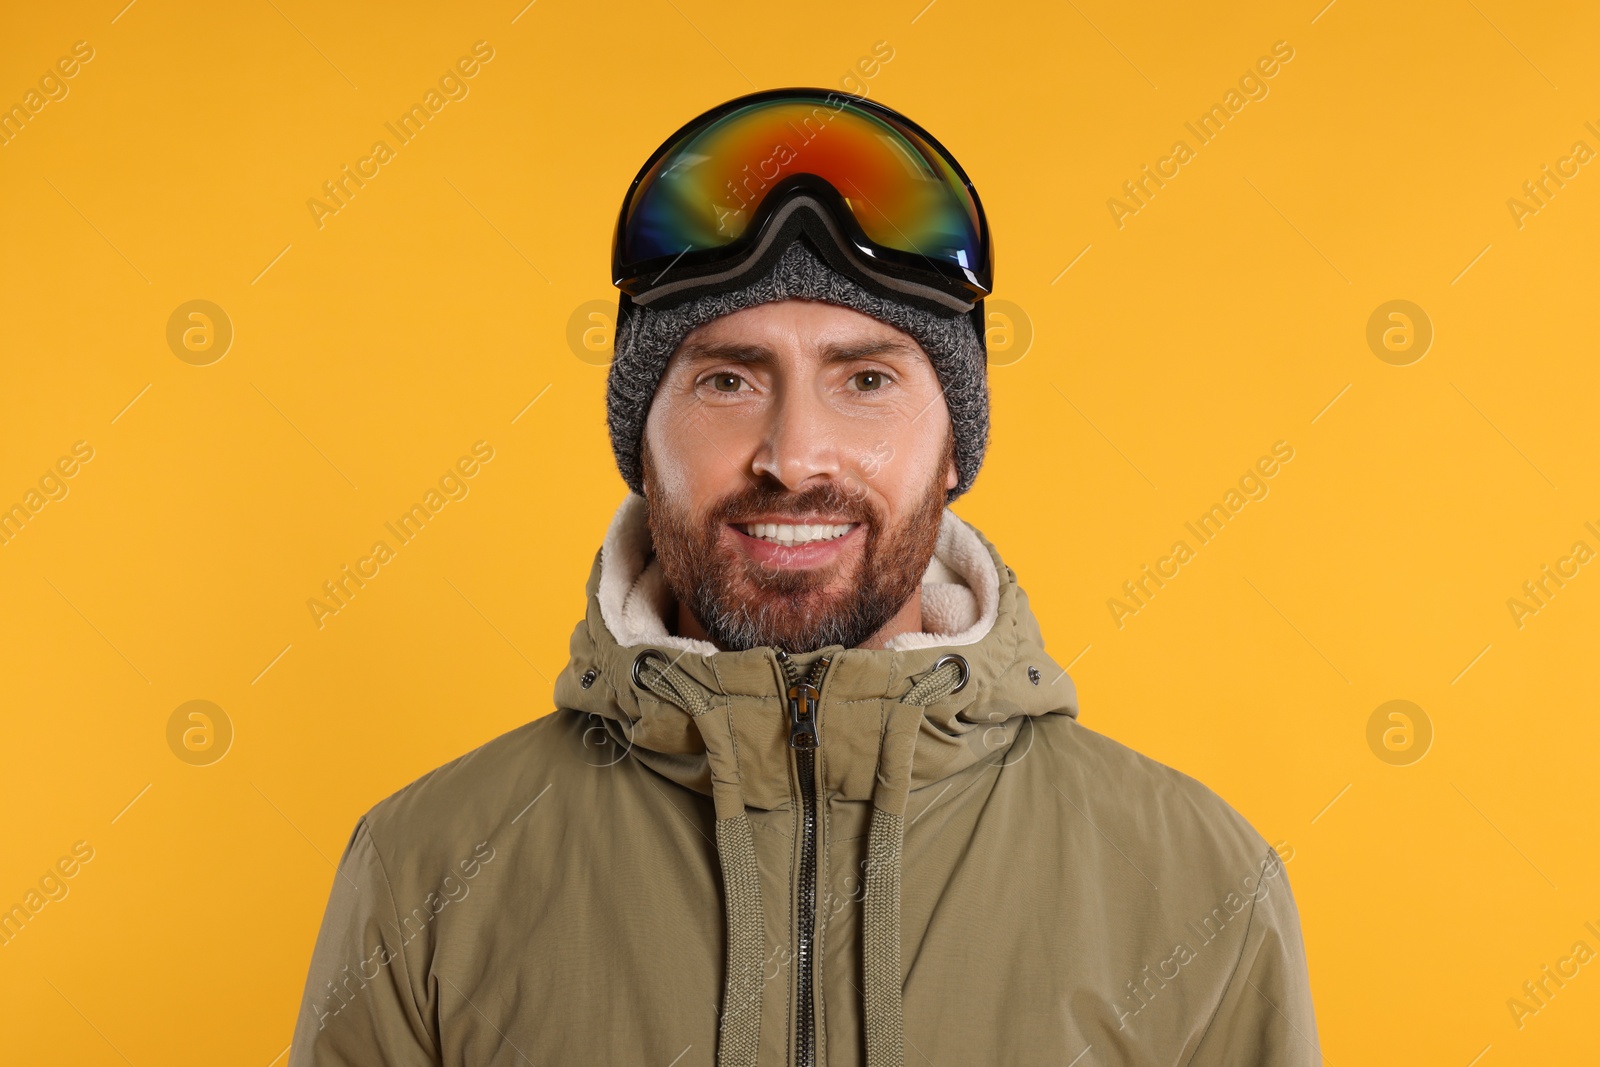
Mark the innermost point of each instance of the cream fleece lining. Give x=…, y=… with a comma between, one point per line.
x=960, y=588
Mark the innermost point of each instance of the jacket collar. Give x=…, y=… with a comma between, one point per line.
x=972, y=607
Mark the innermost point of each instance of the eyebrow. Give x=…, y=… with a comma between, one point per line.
x=700, y=353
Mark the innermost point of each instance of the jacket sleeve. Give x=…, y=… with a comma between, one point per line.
x=1265, y=1018
x=358, y=1009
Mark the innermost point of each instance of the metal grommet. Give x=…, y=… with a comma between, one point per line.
x=588, y=677
x=638, y=661
x=1033, y=674
x=965, y=670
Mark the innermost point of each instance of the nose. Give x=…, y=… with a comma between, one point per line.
x=800, y=441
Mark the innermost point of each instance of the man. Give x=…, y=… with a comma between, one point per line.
x=814, y=793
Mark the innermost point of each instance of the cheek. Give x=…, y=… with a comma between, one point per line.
x=691, y=462
x=674, y=479
x=897, y=461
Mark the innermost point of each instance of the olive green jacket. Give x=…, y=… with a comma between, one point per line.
x=914, y=854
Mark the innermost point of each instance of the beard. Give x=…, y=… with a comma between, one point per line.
x=744, y=604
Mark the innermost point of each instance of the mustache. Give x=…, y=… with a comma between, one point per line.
x=829, y=498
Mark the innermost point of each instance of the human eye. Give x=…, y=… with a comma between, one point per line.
x=870, y=381
x=726, y=382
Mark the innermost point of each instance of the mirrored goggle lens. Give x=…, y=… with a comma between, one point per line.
x=702, y=193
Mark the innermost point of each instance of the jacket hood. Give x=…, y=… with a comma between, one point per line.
x=972, y=607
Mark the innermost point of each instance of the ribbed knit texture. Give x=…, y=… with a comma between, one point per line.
x=647, y=338
x=739, y=1036
x=740, y=1040
x=882, y=1001
x=882, y=1005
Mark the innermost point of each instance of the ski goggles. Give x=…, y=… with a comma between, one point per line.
x=715, y=202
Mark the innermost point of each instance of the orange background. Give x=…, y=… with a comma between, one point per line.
x=437, y=308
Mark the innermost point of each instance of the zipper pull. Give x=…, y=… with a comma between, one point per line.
x=803, y=715
x=802, y=698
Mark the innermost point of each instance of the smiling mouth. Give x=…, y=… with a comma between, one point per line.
x=790, y=535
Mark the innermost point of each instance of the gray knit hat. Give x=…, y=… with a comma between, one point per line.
x=647, y=337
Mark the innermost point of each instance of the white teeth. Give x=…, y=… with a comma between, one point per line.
x=789, y=536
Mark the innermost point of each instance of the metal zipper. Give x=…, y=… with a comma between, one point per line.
x=803, y=738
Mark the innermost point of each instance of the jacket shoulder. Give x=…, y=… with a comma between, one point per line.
x=475, y=796
x=1181, y=884
x=1173, y=821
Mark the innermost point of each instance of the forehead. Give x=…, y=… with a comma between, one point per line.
x=795, y=331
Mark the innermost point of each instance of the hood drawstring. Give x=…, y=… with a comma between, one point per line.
x=880, y=934
x=739, y=1041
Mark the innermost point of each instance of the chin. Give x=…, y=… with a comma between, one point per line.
x=815, y=589
x=793, y=622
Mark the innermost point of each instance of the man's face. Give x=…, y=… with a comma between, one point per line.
x=801, y=414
